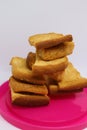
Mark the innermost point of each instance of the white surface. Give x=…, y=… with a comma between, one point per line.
x=21, y=18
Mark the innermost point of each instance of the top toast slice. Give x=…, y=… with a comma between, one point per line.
x=48, y=40
x=72, y=79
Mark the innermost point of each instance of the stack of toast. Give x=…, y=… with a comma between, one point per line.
x=27, y=88
x=44, y=72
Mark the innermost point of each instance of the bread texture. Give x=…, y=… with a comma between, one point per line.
x=30, y=60
x=56, y=52
x=72, y=79
x=22, y=72
x=47, y=67
x=23, y=99
x=48, y=40
x=56, y=76
x=19, y=86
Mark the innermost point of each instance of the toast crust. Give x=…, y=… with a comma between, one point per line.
x=48, y=40
x=30, y=60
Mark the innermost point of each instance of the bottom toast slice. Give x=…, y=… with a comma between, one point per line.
x=23, y=99
x=72, y=79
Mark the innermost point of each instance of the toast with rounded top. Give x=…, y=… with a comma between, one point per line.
x=49, y=67
x=48, y=40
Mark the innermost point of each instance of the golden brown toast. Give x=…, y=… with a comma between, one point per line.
x=47, y=67
x=31, y=57
x=55, y=52
x=48, y=40
x=52, y=79
x=30, y=60
x=22, y=72
x=56, y=76
x=72, y=79
x=31, y=100
x=19, y=86
x=53, y=89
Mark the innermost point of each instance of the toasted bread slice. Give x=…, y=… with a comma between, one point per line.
x=58, y=51
x=31, y=100
x=48, y=40
x=72, y=79
x=54, y=90
x=22, y=72
x=19, y=86
x=30, y=60
x=47, y=67
x=31, y=57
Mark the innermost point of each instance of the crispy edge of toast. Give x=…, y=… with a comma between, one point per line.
x=30, y=60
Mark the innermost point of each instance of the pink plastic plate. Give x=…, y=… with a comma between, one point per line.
x=68, y=112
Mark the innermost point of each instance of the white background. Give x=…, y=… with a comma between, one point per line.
x=21, y=18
